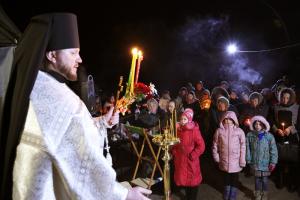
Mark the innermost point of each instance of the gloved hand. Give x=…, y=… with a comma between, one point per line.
x=138, y=193
x=271, y=167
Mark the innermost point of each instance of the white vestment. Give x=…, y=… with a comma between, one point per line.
x=60, y=155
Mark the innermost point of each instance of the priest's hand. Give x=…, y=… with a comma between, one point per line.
x=138, y=193
x=115, y=118
x=109, y=114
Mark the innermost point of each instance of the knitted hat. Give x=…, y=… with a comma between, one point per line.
x=188, y=113
x=183, y=88
x=223, y=100
x=256, y=95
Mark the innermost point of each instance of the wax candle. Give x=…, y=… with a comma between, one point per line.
x=130, y=82
x=282, y=124
x=138, y=66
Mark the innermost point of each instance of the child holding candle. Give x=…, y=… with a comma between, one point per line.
x=186, y=154
x=262, y=155
x=229, y=149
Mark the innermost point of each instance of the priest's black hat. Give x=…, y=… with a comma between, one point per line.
x=64, y=31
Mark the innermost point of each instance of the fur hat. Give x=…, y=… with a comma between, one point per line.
x=291, y=92
x=262, y=120
x=188, y=113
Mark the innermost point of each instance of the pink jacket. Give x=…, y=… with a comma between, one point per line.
x=229, y=146
x=186, y=155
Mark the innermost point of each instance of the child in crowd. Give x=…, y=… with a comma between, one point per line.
x=186, y=154
x=229, y=149
x=262, y=155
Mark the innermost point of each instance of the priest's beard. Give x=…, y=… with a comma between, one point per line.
x=69, y=73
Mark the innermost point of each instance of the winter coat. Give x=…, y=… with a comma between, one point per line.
x=186, y=155
x=261, y=153
x=229, y=146
x=289, y=114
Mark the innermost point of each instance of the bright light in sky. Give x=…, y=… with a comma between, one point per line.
x=232, y=49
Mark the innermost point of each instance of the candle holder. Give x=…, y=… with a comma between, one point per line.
x=166, y=140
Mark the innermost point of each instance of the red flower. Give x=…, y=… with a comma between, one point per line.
x=142, y=91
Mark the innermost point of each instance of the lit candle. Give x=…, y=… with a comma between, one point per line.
x=140, y=58
x=130, y=82
x=282, y=124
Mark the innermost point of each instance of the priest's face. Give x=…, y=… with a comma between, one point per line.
x=67, y=62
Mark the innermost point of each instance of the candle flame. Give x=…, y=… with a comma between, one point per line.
x=282, y=124
x=134, y=51
x=140, y=53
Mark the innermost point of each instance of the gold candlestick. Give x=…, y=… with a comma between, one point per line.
x=165, y=141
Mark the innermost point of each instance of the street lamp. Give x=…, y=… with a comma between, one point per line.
x=231, y=48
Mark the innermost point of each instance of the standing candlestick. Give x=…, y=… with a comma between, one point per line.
x=138, y=66
x=165, y=142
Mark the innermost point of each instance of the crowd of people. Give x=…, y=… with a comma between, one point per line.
x=254, y=131
x=53, y=148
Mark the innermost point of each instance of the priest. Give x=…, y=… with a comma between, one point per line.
x=59, y=152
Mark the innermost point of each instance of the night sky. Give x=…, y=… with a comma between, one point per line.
x=181, y=41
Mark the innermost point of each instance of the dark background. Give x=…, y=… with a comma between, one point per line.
x=182, y=41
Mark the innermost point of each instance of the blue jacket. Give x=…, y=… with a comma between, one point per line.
x=261, y=153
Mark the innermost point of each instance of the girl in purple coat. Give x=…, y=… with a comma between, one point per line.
x=229, y=148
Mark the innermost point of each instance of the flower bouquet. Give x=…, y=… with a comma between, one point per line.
x=141, y=91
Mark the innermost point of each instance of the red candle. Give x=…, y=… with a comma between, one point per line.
x=137, y=71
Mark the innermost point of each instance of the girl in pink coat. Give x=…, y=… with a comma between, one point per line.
x=229, y=148
x=186, y=154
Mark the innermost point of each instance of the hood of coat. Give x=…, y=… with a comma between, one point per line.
x=292, y=94
x=230, y=115
x=218, y=92
x=262, y=120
